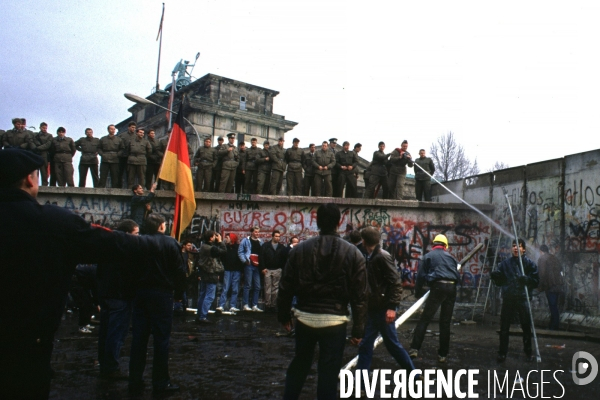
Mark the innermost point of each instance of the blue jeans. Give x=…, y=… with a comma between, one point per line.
x=114, y=326
x=332, y=341
x=251, y=278
x=376, y=325
x=231, y=280
x=206, y=295
x=152, y=313
x=554, y=315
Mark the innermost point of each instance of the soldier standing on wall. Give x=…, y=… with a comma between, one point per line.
x=239, y=173
x=43, y=142
x=216, y=176
x=88, y=146
x=229, y=157
x=309, y=170
x=108, y=148
x=277, y=154
x=205, y=159
x=293, y=158
x=264, y=169
x=250, y=167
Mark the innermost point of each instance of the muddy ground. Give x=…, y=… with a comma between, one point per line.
x=243, y=357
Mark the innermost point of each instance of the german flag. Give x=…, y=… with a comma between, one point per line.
x=176, y=169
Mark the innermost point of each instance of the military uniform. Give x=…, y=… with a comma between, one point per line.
x=138, y=149
x=264, y=171
x=229, y=156
x=89, y=159
x=377, y=175
x=64, y=150
x=43, y=143
x=397, y=175
x=346, y=177
x=422, y=180
x=251, y=156
x=216, y=178
x=154, y=160
x=277, y=168
x=108, y=148
x=335, y=172
x=309, y=173
x=22, y=139
x=293, y=158
x=323, y=177
x=239, y=173
x=125, y=137
x=206, y=159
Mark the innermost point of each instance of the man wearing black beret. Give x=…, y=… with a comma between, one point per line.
x=34, y=284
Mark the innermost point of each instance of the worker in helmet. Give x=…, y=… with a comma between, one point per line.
x=438, y=270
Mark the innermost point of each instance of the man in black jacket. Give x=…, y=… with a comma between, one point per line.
x=153, y=309
x=272, y=260
x=514, y=299
x=439, y=270
x=325, y=273
x=34, y=284
x=384, y=298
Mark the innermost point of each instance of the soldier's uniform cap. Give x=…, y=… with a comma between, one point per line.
x=281, y=139
x=16, y=164
x=220, y=138
x=296, y=140
x=333, y=140
x=265, y=142
x=231, y=135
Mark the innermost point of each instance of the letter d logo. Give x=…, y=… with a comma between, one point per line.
x=583, y=367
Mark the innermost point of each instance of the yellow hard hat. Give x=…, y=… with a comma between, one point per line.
x=441, y=239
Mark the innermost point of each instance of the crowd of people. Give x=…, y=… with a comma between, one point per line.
x=134, y=157
x=315, y=287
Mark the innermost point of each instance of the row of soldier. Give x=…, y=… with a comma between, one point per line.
x=134, y=157
x=330, y=171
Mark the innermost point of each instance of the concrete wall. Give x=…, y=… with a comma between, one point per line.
x=555, y=202
x=407, y=227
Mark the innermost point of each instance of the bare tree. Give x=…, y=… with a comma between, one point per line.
x=450, y=159
x=498, y=165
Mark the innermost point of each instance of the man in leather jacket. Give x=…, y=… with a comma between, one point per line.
x=324, y=273
x=384, y=298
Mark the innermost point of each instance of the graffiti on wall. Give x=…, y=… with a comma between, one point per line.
x=109, y=212
x=406, y=237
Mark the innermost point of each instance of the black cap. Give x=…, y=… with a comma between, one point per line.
x=296, y=140
x=16, y=164
x=220, y=138
x=265, y=142
x=334, y=140
x=281, y=139
x=231, y=135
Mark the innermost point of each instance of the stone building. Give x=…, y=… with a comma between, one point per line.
x=216, y=106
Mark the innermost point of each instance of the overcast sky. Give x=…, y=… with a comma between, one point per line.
x=515, y=81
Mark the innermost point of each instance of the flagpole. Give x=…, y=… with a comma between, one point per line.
x=159, y=45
